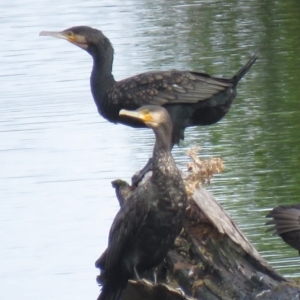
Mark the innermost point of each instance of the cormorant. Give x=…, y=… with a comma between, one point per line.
x=145, y=228
x=191, y=98
x=286, y=224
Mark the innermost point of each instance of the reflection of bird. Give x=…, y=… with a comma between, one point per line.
x=286, y=221
x=191, y=98
x=145, y=228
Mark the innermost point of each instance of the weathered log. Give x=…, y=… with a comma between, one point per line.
x=216, y=261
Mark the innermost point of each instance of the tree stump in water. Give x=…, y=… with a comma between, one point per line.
x=220, y=263
x=211, y=260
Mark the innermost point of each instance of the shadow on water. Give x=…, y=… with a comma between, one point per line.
x=58, y=156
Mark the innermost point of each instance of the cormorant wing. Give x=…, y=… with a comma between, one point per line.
x=126, y=226
x=169, y=87
x=285, y=219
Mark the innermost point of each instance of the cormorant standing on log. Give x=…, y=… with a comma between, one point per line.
x=286, y=224
x=145, y=228
x=191, y=98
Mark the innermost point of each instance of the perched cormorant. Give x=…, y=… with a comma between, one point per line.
x=286, y=224
x=145, y=228
x=191, y=98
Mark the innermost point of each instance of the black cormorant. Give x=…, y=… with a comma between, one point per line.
x=191, y=98
x=286, y=224
x=145, y=228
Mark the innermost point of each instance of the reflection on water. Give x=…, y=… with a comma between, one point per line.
x=58, y=156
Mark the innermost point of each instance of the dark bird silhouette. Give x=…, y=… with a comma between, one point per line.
x=145, y=228
x=191, y=98
x=286, y=224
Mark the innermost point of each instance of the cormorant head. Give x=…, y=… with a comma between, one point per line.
x=90, y=39
x=151, y=115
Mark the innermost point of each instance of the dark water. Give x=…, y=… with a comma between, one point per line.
x=58, y=156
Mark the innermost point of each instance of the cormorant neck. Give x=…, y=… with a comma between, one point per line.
x=163, y=139
x=102, y=65
x=163, y=145
x=101, y=77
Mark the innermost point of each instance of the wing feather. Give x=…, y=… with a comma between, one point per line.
x=170, y=87
x=125, y=227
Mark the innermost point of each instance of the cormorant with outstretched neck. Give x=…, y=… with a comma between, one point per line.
x=286, y=224
x=145, y=228
x=191, y=98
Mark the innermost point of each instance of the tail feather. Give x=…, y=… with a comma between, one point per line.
x=112, y=284
x=110, y=293
x=100, y=262
x=284, y=219
x=241, y=73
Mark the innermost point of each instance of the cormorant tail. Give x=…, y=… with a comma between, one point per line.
x=112, y=285
x=241, y=73
x=110, y=293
